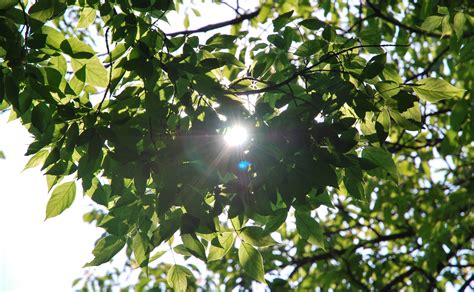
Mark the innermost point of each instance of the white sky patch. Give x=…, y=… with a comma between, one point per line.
x=37, y=255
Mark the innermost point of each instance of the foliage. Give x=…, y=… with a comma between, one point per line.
x=350, y=110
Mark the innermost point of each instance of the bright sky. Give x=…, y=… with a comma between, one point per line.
x=36, y=255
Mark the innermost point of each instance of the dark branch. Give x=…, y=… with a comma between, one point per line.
x=430, y=66
x=396, y=146
x=307, y=69
x=396, y=22
x=397, y=280
x=216, y=25
x=107, y=89
x=334, y=253
x=467, y=284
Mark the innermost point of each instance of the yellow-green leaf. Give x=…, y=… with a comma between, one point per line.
x=176, y=277
x=87, y=17
x=309, y=228
x=95, y=72
x=105, y=249
x=251, y=261
x=458, y=24
x=431, y=23
x=61, y=199
x=256, y=236
x=226, y=240
x=5, y=4
x=434, y=90
x=447, y=30
x=37, y=159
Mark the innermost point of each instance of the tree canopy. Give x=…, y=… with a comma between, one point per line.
x=357, y=173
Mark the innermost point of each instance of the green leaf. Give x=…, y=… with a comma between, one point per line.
x=371, y=36
x=41, y=10
x=76, y=48
x=141, y=250
x=61, y=199
x=256, y=236
x=182, y=250
x=309, y=229
x=226, y=241
x=281, y=21
x=87, y=17
x=5, y=4
x=176, y=277
x=387, y=89
x=52, y=180
x=353, y=182
x=41, y=116
x=431, y=23
x=105, y=249
x=383, y=159
x=447, y=30
x=312, y=23
x=276, y=220
x=251, y=261
x=221, y=41
x=374, y=67
x=157, y=255
x=227, y=59
x=458, y=24
x=186, y=21
x=95, y=72
x=308, y=48
x=434, y=90
x=2, y=155
x=37, y=159
x=194, y=246
x=324, y=175
x=459, y=114
x=116, y=53
x=278, y=41
x=53, y=37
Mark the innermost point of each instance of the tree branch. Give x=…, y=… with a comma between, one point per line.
x=107, y=89
x=334, y=253
x=467, y=284
x=396, y=22
x=307, y=69
x=216, y=25
x=398, y=279
x=431, y=64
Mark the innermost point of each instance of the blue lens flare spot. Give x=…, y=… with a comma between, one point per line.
x=244, y=165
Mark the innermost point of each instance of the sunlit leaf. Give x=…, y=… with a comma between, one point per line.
x=251, y=261
x=61, y=199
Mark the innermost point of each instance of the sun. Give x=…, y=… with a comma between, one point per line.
x=236, y=136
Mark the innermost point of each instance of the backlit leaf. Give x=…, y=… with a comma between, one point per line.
x=434, y=90
x=256, y=236
x=309, y=228
x=432, y=22
x=251, y=261
x=61, y=199
x=87, y=17
x=105, y=249
x=177, y=277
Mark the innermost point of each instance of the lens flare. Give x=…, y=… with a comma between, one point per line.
x=244, y=165
x=236, y=136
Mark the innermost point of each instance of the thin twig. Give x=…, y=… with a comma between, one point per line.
x=107, y=89
x=392, y=20
x=27, y=23
x=216, y=25
x=430, y=66
x=307, y=69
